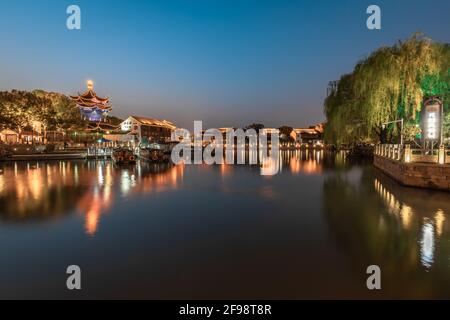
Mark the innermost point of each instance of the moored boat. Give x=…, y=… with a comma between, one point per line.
x=123, y=156
x=151, y=155
x=154, y=155
x=156, y=152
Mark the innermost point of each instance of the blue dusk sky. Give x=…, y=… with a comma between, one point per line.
x=226, y=62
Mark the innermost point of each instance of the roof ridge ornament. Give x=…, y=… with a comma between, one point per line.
x=90, y=85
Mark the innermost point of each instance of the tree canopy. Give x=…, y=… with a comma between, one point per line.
x=20, y=109
x=65, y=113
x=285, y=134
x=388, y=85
x=256, y=126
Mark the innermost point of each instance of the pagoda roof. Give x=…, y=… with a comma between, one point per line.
x=89, y=99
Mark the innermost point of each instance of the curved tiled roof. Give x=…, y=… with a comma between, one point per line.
x=89, y=99
x=155, y=122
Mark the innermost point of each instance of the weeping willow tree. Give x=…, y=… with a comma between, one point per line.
x=388, y=85
x=439, y=85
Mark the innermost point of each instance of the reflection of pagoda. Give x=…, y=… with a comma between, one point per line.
x=92, y=107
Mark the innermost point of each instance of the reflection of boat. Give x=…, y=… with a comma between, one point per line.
x=123, y=156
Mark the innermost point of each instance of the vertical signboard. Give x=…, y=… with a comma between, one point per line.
x=431, y=120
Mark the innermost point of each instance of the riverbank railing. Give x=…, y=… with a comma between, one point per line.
x=407, y=154
x=93, y=152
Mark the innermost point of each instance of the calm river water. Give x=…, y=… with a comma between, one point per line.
x=160, y=231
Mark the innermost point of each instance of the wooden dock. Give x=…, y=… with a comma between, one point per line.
x=46, y=157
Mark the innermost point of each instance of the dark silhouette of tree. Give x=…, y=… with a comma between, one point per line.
x=115, y=121
x=285, y=134
x=255, y=126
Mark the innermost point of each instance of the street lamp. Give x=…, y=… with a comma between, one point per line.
x=383, y=125
x=442, y=124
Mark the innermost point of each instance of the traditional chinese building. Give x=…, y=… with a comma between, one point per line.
x=9, y=136
x=311, y=135
x=93, y=108
x=148, y=129
x=35, y=133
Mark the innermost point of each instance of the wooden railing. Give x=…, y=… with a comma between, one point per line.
x=94, y=152
x=405, y=153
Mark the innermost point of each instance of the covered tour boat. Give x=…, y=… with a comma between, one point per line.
x=123, y=156
x=155, y=153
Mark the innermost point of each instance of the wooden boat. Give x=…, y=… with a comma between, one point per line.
x=21, y=149
x=123, y=156
x=157, y=152
x=154, y=155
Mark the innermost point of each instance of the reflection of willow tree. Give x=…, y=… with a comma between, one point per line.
x=388, y=85
x=53, y=202
x=375, y=227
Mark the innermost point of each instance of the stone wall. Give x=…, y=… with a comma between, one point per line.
x=422, y=175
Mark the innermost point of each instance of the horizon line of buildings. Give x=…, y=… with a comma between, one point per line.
x=134, y=129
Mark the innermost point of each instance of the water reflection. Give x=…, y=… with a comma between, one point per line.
x=404, y=230
x=427, y=244
x=31, y=192
x=428, y=216
x=317, y=225
x=295, y=162
x=309, y=162
x=312, y=162
x=45, y=191
x=303, y=161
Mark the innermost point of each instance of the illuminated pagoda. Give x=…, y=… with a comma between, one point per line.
x=92, y=107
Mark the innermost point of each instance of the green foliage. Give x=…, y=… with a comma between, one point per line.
x=19, y=109
x=411, y=131
x=66, y=114
x=388, y=85
x=447, y=125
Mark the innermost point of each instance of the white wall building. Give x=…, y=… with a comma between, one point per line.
x=148, y=128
